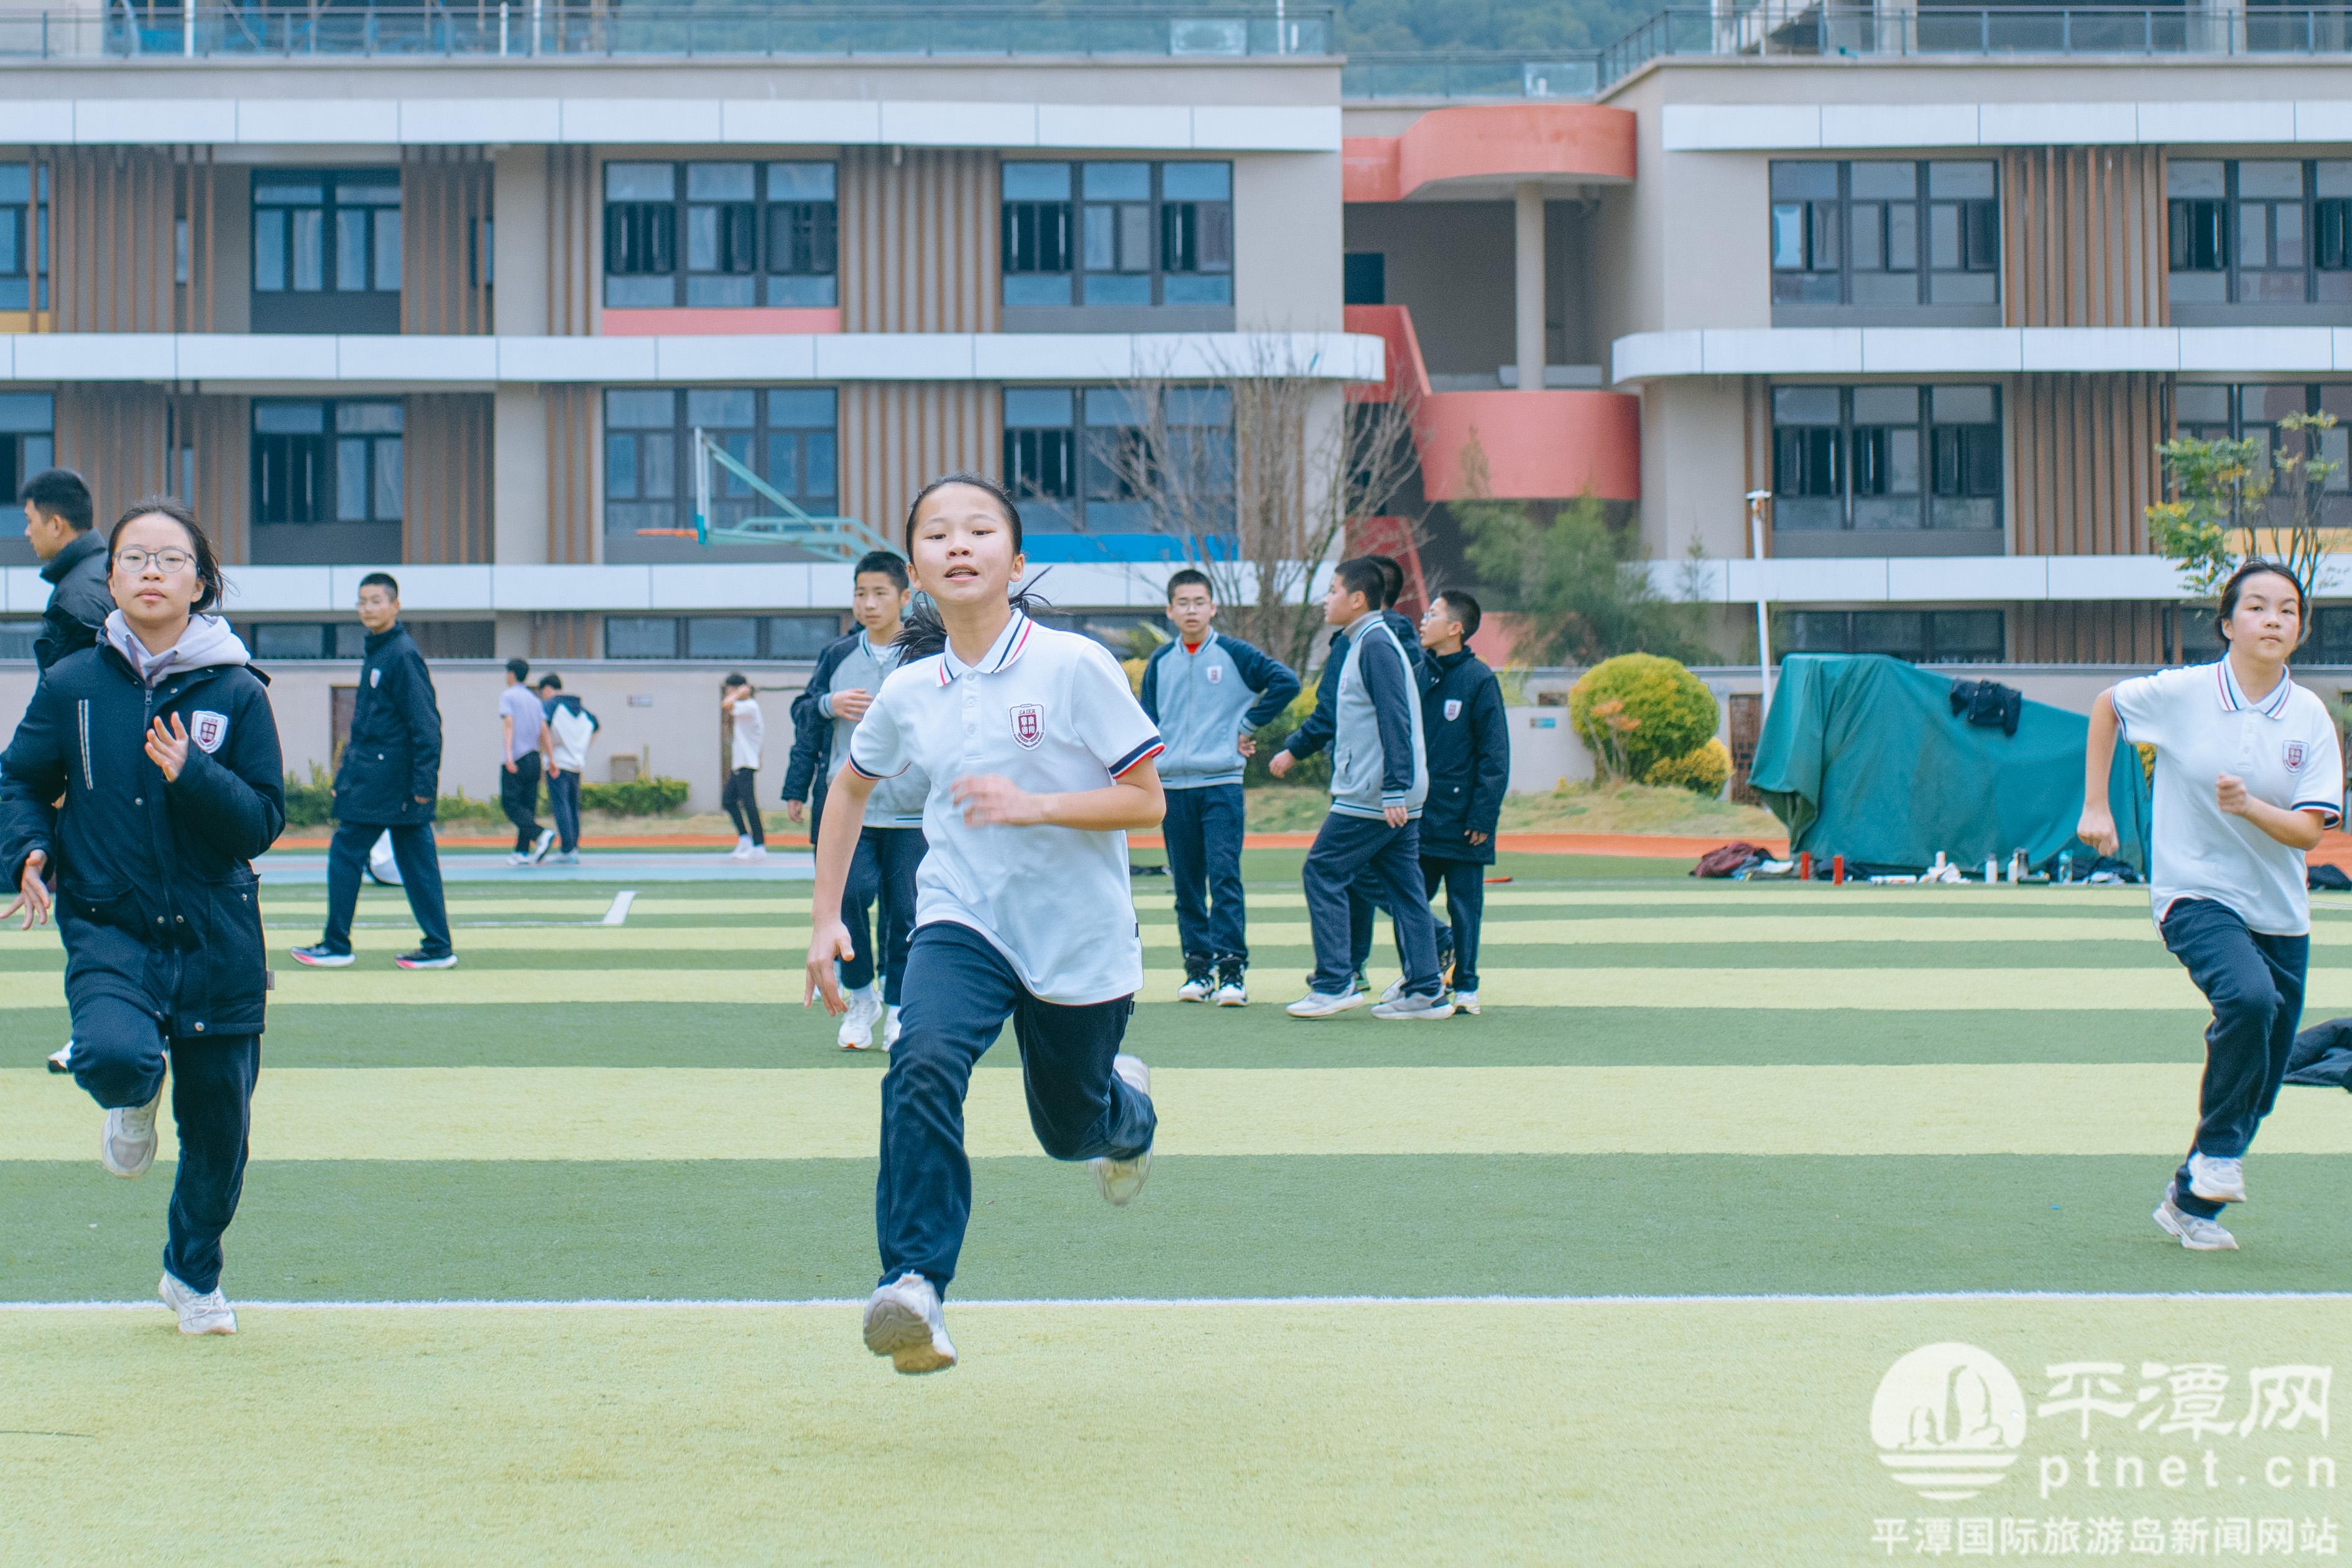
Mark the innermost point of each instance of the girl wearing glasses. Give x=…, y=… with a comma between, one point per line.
x=143, y=780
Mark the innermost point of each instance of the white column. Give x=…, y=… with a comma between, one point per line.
x=1528, y=201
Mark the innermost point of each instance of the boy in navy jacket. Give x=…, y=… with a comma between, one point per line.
x=1469, y=746
x=1207, y=693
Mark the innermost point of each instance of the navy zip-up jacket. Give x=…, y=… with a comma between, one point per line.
x=157, y=900
x=394, y=755
x=1468, y=740
x=1320, y=725
x=806, y=769
x=1198, y=704
x=79, y=602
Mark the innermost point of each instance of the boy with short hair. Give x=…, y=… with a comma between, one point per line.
x=1207, y=693
x=848, y=677
x=1379, y=781
x=563, y=748
x=747, y=731
x=1468, y=738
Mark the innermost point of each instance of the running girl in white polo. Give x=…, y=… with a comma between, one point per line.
x=1040, y=761
x=2248, y=775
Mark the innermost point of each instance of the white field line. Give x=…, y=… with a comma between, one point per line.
x=619, y=913
x=1057, y=1303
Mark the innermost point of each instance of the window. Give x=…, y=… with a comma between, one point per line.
x=1129, y=235
x=27, y=444
x=305, y=639
x=1882, y=458
x=326, y=250
x=785, y=435
x=730, y=235
x=1074, y=456
x=327, y=480
x=16, y=639
x=24, y=237
x=1922, y=637
x=2258, y=232
x=733, y=637
x=1366, y=280
x=2206, y=412
x=1895, y=236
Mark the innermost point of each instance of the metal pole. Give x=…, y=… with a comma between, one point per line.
x=701, y=489
x=502, y=28
x=1756, y=500
x=188, y=28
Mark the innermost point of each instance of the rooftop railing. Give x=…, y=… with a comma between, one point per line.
x=565, y=28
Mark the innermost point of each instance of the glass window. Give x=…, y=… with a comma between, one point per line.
x=800, y=636
x=721, y=234
x=27, y=444
x=1885, y=457
x=640, y=636
x=1884, y=234
x=1078, y=461
x=24, y=237
x=1117, y=233
x=326, y=231
x=787, y=436
x=2208, y=412
x=2259, y=231
x=1922, y=637
x=735, y=638
x=318, y=461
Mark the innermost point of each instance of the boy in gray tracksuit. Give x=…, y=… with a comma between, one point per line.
x=1380, y=779
x=1207, y=693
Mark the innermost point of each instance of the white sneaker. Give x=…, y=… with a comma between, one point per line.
x=754, y=855
x=858, y=1024
x=542, y=845
x=2196, y=1234
x=742, y=846
x=209, y=1313
x=127, y=1147
x=1395, y=990
x=1416, y=1007
x=889, y=1027
x=1466, y=1002
x=2216, y=1180
x=61, y=1059
x=1196, y=987
x=1232, y=994
x=1323, y=1004
x=903, y=1322
x=518, y=858
x=1119, y=1181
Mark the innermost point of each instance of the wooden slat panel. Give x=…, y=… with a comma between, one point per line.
x=918, y=242
x=574, y=219
x=897, y=437
x=211, y=439
x=110, y=219
x=572, y=502
x=2085, y=462
x=116, y=436
x=564, y=634
x=2083, y=241
x=446, y=475
x=444, y=192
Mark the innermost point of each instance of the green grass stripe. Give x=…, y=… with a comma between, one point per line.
x=689, y=1113
x=1308, y=1434
x=1405, y=1225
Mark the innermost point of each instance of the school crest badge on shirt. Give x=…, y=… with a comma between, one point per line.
x=1028, y=725
x=1452, y=709
x=2294, y=754
x=375, y=678
x=1216, y=672
x=207, y=729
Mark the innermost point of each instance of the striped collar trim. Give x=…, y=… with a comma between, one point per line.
x=1008, y=646
x=2233, y=700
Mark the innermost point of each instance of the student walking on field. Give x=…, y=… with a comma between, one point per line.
x=144, y=777
x=1467, y=736
x=566, y=728
x=1209, y=693
x=746, y=732
x=519, y=719
x=387, y=784
x=2248, y=776
x=1039, y=761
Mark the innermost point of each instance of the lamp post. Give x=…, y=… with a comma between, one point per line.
x=1757, y=501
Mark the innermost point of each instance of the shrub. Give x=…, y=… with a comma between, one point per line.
x=1637, y=710
x=310, y=804
x=639, y=797
x=1703, y=772
x=1311, y=773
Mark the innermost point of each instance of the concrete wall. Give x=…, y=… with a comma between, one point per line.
x=1450, y=263
x=1286, y=270
x=1694, y=480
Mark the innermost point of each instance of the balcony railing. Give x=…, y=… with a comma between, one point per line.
x=569, y=29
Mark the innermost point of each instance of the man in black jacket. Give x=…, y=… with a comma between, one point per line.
x=388, y=780
x=57, y=518
x=1467, y=736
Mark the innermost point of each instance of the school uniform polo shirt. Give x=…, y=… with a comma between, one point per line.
x=2284, y=748
x=1052, y=711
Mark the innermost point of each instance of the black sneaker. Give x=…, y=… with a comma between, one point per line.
x=1199, y=980
x=421, y=959
x=1230, y=991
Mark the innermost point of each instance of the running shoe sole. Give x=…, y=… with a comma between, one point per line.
x=2180, y=1232
x=448, y=962
x=325, y=960
x=905, y=1337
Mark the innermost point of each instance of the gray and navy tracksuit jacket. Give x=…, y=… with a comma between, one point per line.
x=1205, y=699
x=1379, y=758
x=1315, y=733
x=820, y=741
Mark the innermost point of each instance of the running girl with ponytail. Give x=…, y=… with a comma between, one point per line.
x=1040, y=759
x=160, y=745
x=2248, y=774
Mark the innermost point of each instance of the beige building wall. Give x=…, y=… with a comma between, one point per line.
x=519, y=200
x=1695, y=475
x=1287, y=222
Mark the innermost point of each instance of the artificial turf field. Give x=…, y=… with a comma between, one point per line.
x=563, y=1246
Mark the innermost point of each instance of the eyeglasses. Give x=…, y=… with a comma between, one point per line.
x=170, y=563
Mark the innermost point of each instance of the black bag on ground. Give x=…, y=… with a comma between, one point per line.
x=2322, y=1056
x=1989, y=704
x=1725, y=858
x=2326, y=878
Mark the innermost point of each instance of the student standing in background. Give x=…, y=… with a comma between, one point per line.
x=566, y=728
x=1469, y=745
x=57, y=518
x=519, y=717
x=747, y=732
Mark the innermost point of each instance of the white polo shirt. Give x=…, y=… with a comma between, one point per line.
x=2284, y=748
x=1053, y=712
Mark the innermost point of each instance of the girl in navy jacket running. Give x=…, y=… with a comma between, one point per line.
x=161, y=744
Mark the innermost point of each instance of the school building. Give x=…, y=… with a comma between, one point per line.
x=608, y=328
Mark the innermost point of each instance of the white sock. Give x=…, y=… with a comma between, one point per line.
x=742, y=842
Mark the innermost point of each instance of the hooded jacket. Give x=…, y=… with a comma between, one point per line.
x=79, y=602
x=157, y=900
x=1469, y=746
x=393, y=756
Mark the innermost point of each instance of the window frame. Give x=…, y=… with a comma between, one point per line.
x=1826, y=231
x=2323, y=221
x=814, y=447
x=374, y=249
x=770, y=649
x=1045, y=237
x=1076, y=456
x=771, y=285
x=1974, y=480
x=331, y=445
x=28, y=441
x=24, y=251
x=1931, y=620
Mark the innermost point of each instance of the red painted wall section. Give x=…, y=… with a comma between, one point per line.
x=1490, y=141
x=1538, y=445
x=693, y=322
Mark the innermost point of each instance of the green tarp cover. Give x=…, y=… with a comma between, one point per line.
x=1862, y=756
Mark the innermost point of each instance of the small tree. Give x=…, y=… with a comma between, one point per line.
x=2235, y=499
x=1257, y=469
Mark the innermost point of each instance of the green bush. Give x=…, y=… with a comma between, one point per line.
x=1703, y=772
x=1311, y=773
x=640, y=797
x=1637, y=710
x=463, y=807
x=310, y=804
